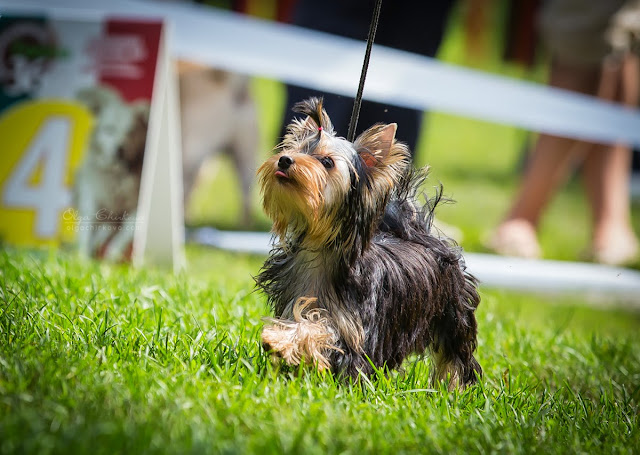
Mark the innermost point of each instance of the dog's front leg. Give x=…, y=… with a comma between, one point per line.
x=308, y=338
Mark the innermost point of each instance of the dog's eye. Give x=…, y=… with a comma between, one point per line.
x=327, y=162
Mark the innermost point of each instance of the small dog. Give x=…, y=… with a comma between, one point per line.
x=358, y=278
x=107, y=184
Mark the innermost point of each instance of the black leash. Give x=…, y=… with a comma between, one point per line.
x=355, y=113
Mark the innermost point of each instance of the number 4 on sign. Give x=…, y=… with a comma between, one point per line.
x=38, y=180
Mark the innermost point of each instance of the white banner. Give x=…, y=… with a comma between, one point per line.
x=602, y=282
x=330, y=63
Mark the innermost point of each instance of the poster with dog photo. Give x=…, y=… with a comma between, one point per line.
x=89, y=128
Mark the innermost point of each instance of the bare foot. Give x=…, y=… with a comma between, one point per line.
x=516, y=238
x=616, y=247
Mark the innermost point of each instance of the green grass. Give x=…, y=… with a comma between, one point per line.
x=106, y=359
x=98, y=358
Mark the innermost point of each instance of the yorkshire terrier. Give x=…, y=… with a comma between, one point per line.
x=358, y=278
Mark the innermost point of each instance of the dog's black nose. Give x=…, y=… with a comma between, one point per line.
x=285, y=162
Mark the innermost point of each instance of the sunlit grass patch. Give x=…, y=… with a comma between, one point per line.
x=106, y=359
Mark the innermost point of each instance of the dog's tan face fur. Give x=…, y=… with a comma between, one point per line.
x=305, y=196
x=302, y=197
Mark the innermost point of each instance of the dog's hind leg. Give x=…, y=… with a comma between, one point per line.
x=455, y=333
x=456, y=371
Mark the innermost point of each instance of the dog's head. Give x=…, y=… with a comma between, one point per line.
x=322, y=188
x=131, y=150
x=116, y=125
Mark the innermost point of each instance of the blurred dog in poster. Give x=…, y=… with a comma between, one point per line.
x=107, y=183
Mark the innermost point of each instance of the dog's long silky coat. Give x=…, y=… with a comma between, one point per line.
x=358, y=276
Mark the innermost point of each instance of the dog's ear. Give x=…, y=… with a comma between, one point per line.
x=384, y=159
x=374, y=146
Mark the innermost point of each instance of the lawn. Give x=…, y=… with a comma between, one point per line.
x=98, y=358
x=106, y=359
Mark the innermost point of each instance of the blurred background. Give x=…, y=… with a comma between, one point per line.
x=480, y=164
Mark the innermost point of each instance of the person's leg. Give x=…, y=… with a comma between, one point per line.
x=606, y=174
x=548, y=166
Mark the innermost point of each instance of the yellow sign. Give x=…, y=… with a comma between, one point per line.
x=41, y=145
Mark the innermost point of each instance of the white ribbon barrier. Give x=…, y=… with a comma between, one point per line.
x=330, y=63
x=616, y=284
